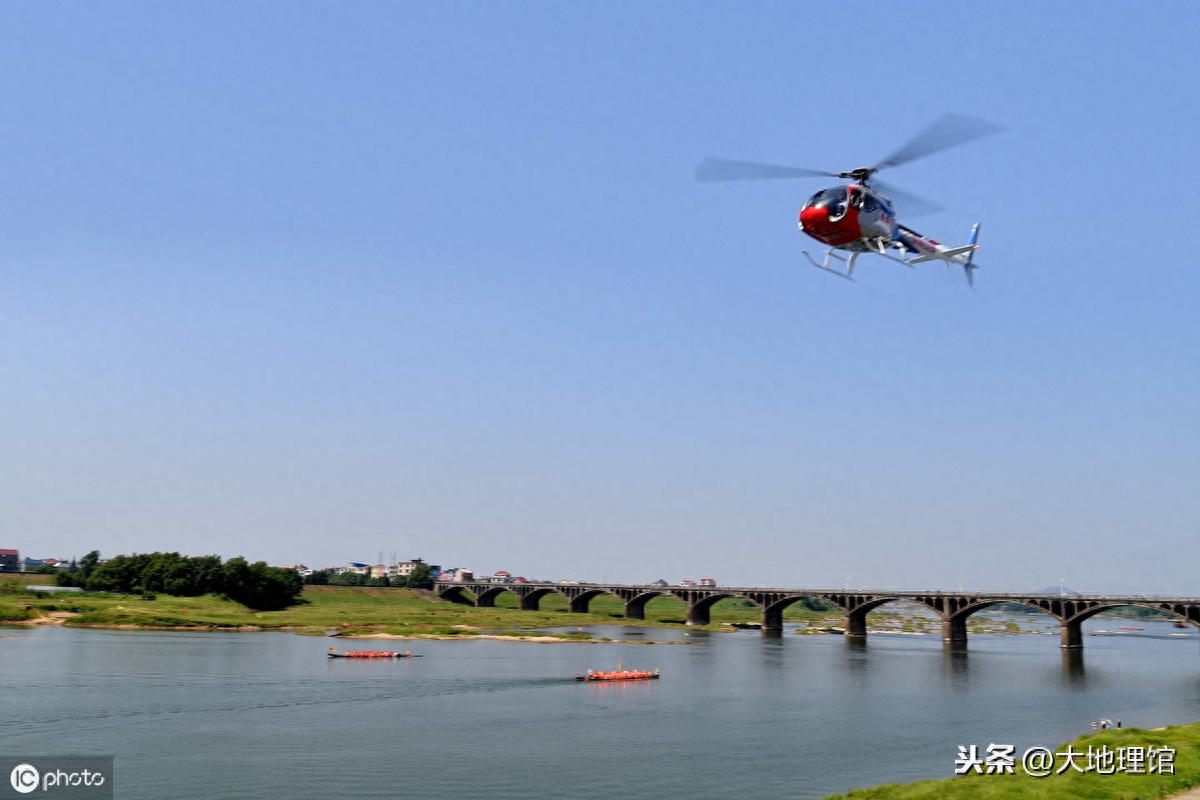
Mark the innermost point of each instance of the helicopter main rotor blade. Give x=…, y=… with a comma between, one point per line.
x=907, y=204
x=724, y=169
x=948, y=131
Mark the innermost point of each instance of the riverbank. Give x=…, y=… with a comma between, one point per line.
x=418, y=613
x=356, y=611
x=1070, y=784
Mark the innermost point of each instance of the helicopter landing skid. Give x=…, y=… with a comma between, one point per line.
x=849, y=261
x=824, y=264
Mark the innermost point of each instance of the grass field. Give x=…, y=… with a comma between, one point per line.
x=357, y=610
x=1070, y=784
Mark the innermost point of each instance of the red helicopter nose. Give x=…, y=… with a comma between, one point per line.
x=814, y=217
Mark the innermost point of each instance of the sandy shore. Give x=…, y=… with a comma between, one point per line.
x=52, y=618
x=60, y=617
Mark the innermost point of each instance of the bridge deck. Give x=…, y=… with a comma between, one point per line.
x=954, y=608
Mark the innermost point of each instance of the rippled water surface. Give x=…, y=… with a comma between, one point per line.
x=253, y=715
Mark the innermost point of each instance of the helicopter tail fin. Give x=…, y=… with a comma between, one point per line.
x=970, y=266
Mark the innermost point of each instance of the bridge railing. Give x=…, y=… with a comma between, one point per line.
x=875, y=592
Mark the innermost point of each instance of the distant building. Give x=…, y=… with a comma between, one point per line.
x=456, y=575
x=10, y=561
x=660, y=582
x=708, y=582
x=300, y=568
x=405, y=568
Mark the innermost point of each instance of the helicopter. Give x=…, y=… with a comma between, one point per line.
x=860, y=217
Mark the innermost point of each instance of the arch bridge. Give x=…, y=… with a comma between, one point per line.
x=954, y=608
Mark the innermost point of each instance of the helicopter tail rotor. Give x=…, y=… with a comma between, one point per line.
x=970, y=266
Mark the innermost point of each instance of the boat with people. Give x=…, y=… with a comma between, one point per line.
x=619, y=674
x=371, y=654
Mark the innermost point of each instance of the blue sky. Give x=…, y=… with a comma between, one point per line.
x=311, y=281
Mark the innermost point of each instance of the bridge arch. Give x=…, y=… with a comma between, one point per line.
x=954, y=618
x=773, y=604
x=532, y=598
x=455, y=593
x=636, y=600
x=487, y=598
x=700, y=604
x=1072, y=630
x=578, y=597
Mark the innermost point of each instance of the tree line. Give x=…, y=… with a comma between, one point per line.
x=255, y=585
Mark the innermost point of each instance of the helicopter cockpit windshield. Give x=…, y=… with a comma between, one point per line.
x=833, y=200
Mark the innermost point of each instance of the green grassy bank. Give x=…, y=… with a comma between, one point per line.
x=353, y=609
x=1070, y=784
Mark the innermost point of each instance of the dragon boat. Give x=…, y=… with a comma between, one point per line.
x=619, y=674
x=371, y=654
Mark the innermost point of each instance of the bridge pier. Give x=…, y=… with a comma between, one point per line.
x=579, y=605
x=954, y=630
x=1072, y=635
x=697, y=614
x=635, y=610
x=772, y=620
x=530, y=602
x=856, y=623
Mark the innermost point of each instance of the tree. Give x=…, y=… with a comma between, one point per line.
x=256, y=585
x=87, y=565
x=120, y=574
x=421, y=577
x=259, y=586
x=318, y=577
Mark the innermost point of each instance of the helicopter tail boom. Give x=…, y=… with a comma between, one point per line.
x=932, y=251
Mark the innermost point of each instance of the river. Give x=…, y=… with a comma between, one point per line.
x=209, y=715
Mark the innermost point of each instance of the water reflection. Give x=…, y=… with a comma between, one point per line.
x=858, y=660
x=956, y=666
x=1073, y=674
x=855, y=644
x=772, y=652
